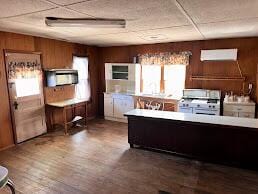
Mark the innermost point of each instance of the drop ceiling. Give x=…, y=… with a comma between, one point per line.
x=148, y=21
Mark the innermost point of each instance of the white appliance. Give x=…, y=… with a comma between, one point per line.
x=219, y=55
x=199, y=101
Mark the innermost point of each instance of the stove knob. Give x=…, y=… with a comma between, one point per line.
x=198, y=105
x=210, y=106
x=213, y=106
x=183, y=105
x=187, y=105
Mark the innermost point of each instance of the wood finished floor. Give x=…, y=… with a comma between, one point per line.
x=99, y=160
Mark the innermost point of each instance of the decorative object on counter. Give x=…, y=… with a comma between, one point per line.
x=165, y=58
x=117, y=88
x=4, y=179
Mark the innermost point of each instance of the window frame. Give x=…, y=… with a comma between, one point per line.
x=162, y=80
x=89, y=71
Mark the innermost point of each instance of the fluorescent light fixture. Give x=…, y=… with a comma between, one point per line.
x=85, y=22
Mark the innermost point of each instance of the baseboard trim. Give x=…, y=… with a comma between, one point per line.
x=7, y=147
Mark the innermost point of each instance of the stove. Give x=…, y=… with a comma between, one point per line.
x=199, y=101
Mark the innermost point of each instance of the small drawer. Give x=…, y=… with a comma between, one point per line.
x=239, y=108
x=246, y=114
x=230, y=113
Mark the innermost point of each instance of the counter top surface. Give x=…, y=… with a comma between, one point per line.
x=219, y=120
x=66, y=102
x=250, y=103
x=160, y=96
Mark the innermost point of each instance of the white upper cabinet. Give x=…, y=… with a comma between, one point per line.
x=121, y=71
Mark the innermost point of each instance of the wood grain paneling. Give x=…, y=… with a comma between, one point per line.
x=247, y=57
x=55, y=54
x=6, y=133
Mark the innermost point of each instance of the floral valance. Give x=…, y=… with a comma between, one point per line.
x=23, y=69
x=181, y=58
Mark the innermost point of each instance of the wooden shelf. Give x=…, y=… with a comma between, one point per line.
x=218, y=78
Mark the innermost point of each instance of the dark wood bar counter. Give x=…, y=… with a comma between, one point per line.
x=219, y=139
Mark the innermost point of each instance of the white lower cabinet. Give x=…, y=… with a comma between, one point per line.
x=115, y=105
x=108, y=106
x=239, y=110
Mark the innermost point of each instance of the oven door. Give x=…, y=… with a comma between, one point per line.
x=205, y=111
x=185, y=109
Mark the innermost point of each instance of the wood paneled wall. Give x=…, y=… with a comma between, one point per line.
x=55, y=54
x=247, y=57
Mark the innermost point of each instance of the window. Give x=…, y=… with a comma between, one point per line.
x=27, y=86
x=83, y=86
x=151, y=76
x=174, y=79
x=169, y=79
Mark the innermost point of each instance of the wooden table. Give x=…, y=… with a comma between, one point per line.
x=65, y=105
x=221, y=139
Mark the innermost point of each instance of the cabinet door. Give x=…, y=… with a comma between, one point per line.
x=108, y=107
x=131, y=72
x=108, y=71
x=246, y=114
x=118, y=108
x=128, y=105
x=230, y=113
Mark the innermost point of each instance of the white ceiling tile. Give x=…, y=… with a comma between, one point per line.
x=33, y=30
x=129, y=38
x=66, y=2
x=205, y=11
x=38, y=18
x=243, y=28
x=16, y=7
x=139, y=14
x=173, y=34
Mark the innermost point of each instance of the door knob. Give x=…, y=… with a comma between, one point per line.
x=15, y=104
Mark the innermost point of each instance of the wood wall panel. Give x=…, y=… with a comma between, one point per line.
x=247, y=57
x=55, y=54
x=6, y=133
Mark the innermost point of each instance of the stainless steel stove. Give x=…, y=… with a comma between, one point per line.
x=199, y=101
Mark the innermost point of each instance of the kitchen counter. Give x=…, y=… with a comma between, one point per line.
x=178, y=116
x=250, y=103
x=159, y=96
x=218, y=139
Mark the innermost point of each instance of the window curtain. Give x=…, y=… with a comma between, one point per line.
x=181, y=58
x=24, y=70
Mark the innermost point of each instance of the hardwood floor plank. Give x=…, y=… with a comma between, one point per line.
x=99, y=160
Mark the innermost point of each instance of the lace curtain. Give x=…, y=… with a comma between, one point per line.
x=181, y=58
x=19, y=69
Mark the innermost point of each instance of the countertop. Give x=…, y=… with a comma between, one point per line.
x=160, y=96
x=250, y=103
x=219, y=120
x=66, y=102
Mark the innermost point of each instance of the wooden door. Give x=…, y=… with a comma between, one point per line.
x=26, y=97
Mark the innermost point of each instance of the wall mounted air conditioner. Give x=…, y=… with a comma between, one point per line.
x=219, y=55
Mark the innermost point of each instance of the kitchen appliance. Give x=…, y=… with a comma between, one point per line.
x=200, y=101
x=59, y=77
